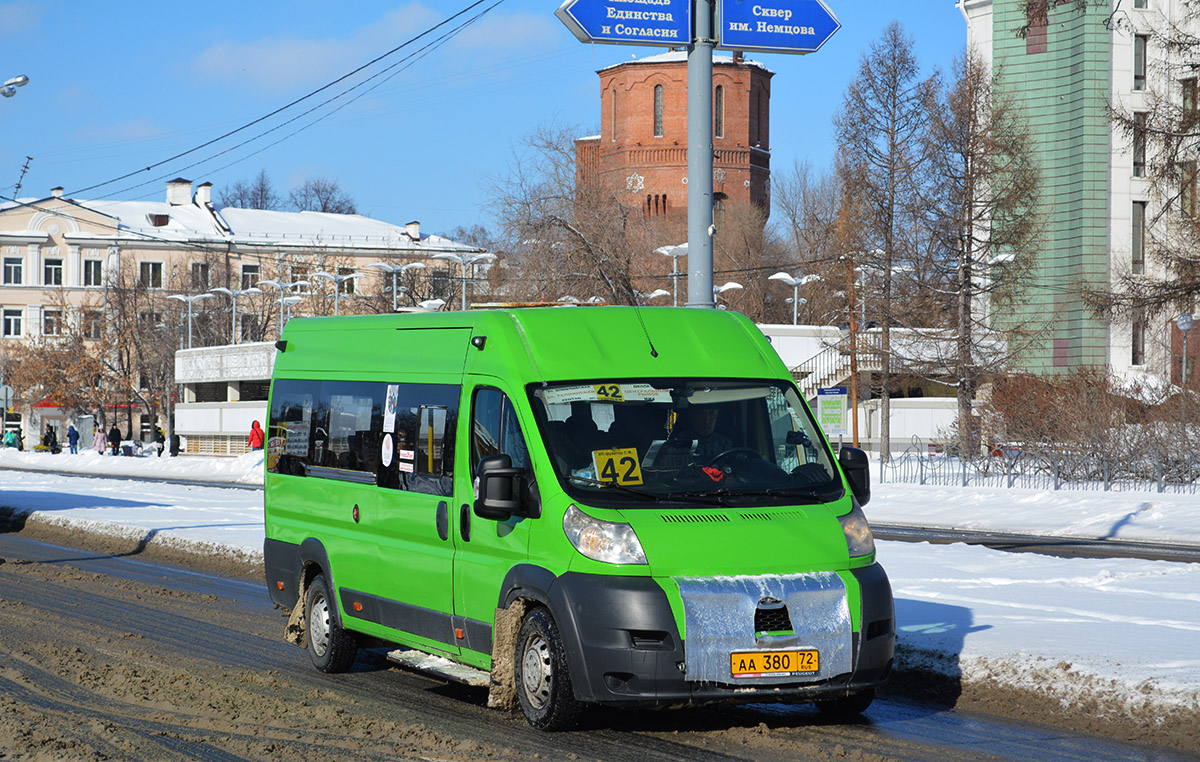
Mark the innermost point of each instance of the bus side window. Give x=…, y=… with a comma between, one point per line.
x=495, y=429
x=426, y=419
x=290, y=426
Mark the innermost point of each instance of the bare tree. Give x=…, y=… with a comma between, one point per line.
x=321, y=194
x=806, y=204
x=569, y=238
x=979, y=203
x=256, y=193
x=879, y=128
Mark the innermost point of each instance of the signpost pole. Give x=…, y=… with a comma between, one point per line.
x=700, y=158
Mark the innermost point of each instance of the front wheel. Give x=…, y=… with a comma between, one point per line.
x=331, y=648
x=846, y=708
x=543, y=682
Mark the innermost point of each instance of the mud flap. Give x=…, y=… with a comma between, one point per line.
x=502, y=690
x=295, y=632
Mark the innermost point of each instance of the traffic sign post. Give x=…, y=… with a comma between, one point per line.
x=775, y=26
x=629, y=22
x=6, y=399
x=831, y=410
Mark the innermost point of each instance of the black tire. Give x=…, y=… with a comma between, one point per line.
x=543, y=680
x=846, y=708
x=331, y=648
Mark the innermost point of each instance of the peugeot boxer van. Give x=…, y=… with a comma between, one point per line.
x=572, y=506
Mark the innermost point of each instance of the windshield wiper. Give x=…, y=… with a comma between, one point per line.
x=697, y=498
x=611, y=485
x=806, y=497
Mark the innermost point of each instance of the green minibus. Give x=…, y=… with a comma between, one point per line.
x=572, y=506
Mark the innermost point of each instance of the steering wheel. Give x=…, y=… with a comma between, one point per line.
x=733, y=451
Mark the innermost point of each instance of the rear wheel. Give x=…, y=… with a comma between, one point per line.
x=331, y=648
x=543, y=682
x=846, y=708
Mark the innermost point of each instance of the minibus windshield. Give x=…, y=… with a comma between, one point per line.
x=697, y=441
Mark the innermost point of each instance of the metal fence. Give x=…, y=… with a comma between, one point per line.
x=1174, y=472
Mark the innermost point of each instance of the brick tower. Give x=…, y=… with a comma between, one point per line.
x=641, y=152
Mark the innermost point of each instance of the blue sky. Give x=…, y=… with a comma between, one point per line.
x=116, y=87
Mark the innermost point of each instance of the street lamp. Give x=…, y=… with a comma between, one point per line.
x=728, y=286
x=1185, y=322
x=395, y=270
x=288, y=302
x=674, y=252
x=337, y=281
x=642, y=297
x=465, y=260
x=190, y=301
x=283, y=288
x=432, y=305
x=234, y=293
x=9, y=89
x=795, y=283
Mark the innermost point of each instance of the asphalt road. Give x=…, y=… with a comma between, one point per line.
x=1044, y=544
x=110, y=656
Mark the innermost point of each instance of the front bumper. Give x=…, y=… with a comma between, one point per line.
x=623, y=645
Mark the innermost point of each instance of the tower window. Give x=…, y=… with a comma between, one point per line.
x=658, y=111
x=612, y=118
x=719, y=112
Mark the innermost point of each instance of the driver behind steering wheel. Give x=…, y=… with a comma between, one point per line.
x=693, y=438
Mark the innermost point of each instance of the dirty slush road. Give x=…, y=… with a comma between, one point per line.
x=107, y=655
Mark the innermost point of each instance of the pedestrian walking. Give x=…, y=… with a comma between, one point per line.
x=100, y=441
x=73, y=439
x=50, y=440
x=114, y=439
x=256, y=436
x=160, y=439
x=10, y=438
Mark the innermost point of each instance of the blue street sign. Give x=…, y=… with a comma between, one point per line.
x=833, y=390
x=632, y=22
x=775, y=26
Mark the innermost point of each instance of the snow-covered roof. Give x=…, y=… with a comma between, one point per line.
x=199, y=222
x=680, y=56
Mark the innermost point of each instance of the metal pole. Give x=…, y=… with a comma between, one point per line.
x=795, y=301
x=464, y=288
x=853, y=352
x=189, y=304
x=393, y=290
x=1183, y=368
x=675, y=279
x=700, y=159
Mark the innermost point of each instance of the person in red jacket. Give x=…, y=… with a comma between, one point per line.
x=256, y=436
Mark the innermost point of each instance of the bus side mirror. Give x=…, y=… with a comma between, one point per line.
x=858, y=472
x=497, y=498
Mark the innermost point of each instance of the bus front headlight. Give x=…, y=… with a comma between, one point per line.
x=859, y=539
x=606, y=541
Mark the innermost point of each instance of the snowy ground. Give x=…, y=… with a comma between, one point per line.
x=1118, y=634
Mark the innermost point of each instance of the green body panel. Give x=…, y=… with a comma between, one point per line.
x=394, y=552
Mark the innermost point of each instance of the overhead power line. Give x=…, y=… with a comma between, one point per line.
x=281, y=109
